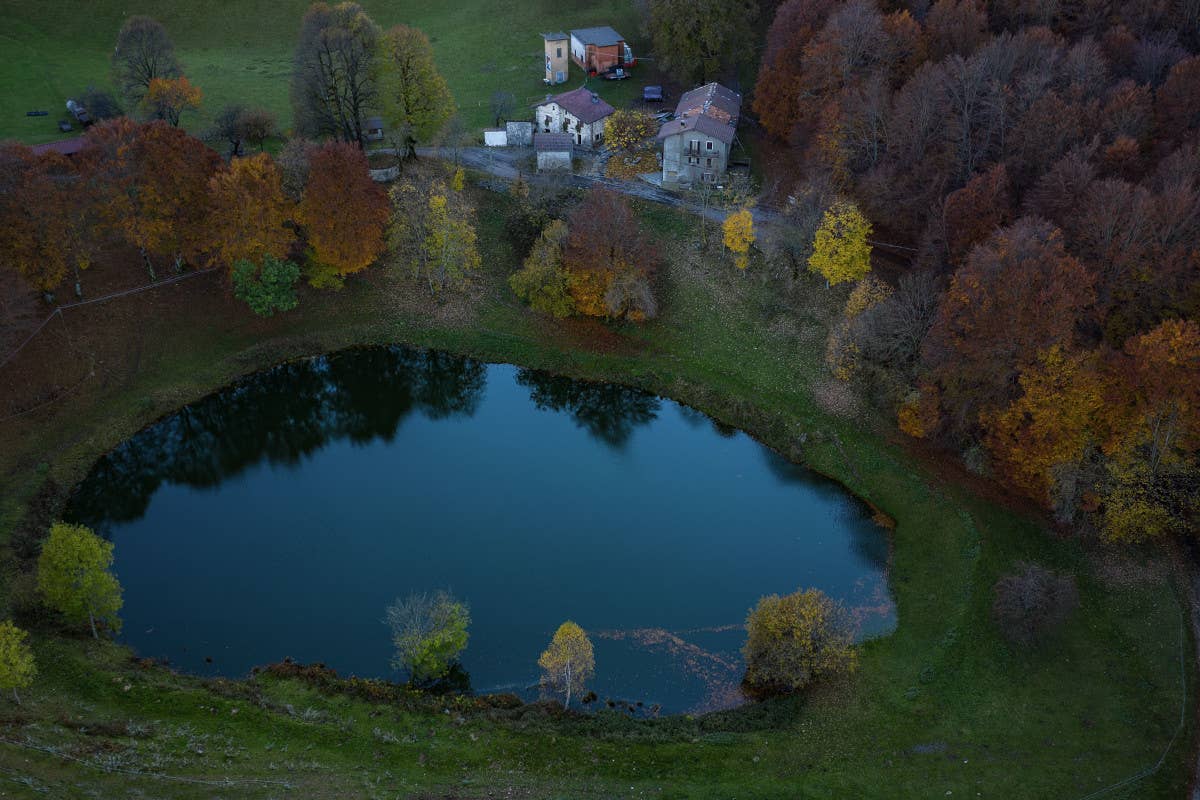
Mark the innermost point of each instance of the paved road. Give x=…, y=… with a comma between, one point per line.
x=508, y=163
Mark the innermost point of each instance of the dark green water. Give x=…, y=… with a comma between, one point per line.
x=279, y=517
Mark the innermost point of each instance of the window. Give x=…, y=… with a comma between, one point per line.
x=558, y=53
x=709, y=144
x=709, y=160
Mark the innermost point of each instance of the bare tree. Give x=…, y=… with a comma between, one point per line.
x=144, y=52
x=333, y=75
x=227, y=128
x=502, y=105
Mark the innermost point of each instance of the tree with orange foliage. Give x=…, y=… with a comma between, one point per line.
x=250, y=213
x=169, y=98
x=1019, y=293
x=1177, y=102
x=605, y=251
x=1058, y=415
x=1153, y=469
x=35, y=224
x=1160, y=385
x=779, y=78
x=151, y=184
x=971, y=213
x=343, y=212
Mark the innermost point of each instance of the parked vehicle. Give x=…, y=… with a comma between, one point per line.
x=616, y=74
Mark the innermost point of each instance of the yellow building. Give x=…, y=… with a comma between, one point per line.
x=557, y=57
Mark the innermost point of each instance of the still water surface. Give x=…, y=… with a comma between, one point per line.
x=279, y=518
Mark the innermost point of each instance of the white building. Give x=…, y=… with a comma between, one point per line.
x=579, y=112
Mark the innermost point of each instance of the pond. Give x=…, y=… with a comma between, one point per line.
x=279, y=517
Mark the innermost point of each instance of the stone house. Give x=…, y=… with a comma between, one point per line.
x=579, y=112
x=697, y=142
x=553, y=151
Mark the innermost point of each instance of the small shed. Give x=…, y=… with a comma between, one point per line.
x=373, y=129
x=495, y=137
x=553, y=151
x=599, y=49
x=520, y=134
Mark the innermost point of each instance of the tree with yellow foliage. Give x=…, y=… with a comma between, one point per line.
x=841, y=251
x=739, y=235
x=450, y=243
x=841, y=353
x=168, y=98
x=542, y=281
x=73, y=575
x=795, y=640
x=1050, y=424
x=568, y=663
x=250, y=213
x=630, y=128
x=17, y=668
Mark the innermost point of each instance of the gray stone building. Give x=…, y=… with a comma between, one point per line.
x=553, y=151
x=579, y=112
x=696, y=144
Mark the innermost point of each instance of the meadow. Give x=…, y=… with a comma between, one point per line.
x=243, y=52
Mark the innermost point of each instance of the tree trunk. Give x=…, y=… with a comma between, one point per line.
x=16, y=696
x=568, y=703
x=92, y=620
x=149, y=264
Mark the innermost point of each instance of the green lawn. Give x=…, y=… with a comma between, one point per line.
x=242, y=51
x=941, y=706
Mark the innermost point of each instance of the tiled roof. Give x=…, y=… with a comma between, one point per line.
x=552, y=142
x=710, y=109
x=67, y=147
x=712, y=100
x=554, y=37
x=582, y=103
x=601, y=36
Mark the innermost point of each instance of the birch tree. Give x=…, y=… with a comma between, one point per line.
x=74, y=577
x=568, y=663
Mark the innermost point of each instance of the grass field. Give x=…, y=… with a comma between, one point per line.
x=242, y=51
x=942, y=707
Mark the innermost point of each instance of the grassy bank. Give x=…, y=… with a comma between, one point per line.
x=941, y=706
x=243, y=52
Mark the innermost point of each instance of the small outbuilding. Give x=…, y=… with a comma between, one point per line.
x=373, y=129
x=518, y=133
x=495, y=137
x=557, y=63
x=553, y=151
x=579, y=112
x=600, y=49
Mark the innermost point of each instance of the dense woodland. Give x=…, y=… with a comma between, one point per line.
x=1043, y=162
